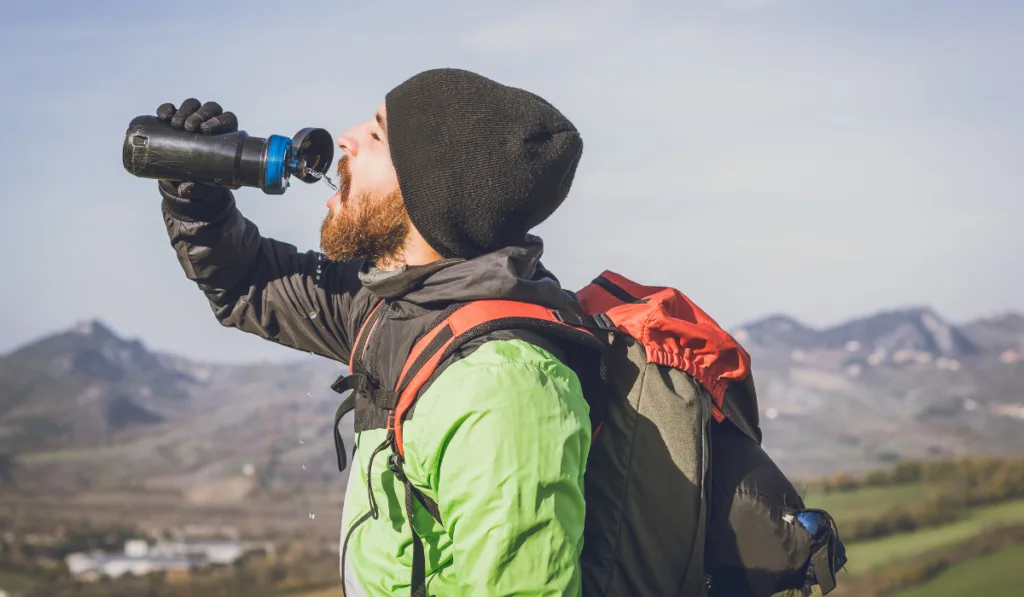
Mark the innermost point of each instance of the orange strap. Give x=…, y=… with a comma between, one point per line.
x=449, y=331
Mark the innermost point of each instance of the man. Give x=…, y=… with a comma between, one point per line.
x=438, y=193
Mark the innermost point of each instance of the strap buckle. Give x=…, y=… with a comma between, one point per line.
x=395, y=466
x=599, y=321
x=345, y=383
x=370, y=386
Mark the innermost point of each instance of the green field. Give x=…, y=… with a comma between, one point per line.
x=1000, y=574
x=867, y=556
x=868, y=502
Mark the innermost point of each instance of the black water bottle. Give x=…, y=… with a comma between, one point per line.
x=155, y=149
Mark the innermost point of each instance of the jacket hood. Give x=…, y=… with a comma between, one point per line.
x=511, y=273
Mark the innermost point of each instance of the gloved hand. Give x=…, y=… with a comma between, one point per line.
x=208, y=119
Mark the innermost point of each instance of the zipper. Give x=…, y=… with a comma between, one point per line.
x=374, y=340
x=705, y=480
x=369, y=333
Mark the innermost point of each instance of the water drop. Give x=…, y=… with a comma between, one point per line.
x=302, y=441
x=327, y=179
x=312, y=315
x=303, y=467
x=312, y=516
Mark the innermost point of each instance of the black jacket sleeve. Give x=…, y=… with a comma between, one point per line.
x=260, y=285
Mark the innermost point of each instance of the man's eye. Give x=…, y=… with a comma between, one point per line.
x=374, y=135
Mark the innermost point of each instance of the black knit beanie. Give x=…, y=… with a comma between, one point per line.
x=479, y=163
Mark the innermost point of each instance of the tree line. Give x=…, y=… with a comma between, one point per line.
x=959, y=485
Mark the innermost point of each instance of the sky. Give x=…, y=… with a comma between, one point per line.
x=818, y=158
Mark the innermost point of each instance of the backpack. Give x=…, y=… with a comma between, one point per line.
x=681, y=499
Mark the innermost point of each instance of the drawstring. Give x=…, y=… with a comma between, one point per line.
x=374, y=511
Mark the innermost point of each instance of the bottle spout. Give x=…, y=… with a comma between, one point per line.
x=313, y=150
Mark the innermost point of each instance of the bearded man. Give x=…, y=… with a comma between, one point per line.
x=438, y=193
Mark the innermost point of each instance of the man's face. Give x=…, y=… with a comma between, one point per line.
x=366, y=218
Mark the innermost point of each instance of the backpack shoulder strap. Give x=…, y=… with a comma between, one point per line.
x=468, y=322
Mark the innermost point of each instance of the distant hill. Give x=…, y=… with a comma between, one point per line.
x=996, y=334
x=896, y=384
x=86, y=408
x=77, y=387
x=912, y=329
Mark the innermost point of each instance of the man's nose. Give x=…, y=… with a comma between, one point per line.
x=348, y=143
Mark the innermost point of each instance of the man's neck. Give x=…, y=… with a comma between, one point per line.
x=390, y=264
x=415, y=252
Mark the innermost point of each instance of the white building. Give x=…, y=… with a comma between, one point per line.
x=214, y=552
x=139, y=558
x=117, y=565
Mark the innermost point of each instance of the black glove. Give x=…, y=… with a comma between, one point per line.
x=208, y=119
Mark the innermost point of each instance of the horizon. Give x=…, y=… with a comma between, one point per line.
x=817, y=159
x=290, y=355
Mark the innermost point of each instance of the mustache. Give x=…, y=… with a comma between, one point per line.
x=344, y=171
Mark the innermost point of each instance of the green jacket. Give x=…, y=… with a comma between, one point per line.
x=499, y=439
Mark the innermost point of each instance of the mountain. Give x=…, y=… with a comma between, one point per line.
x=76, y=387
x=999, y=333
x=777, y=331
x=917, y=329
x=86, y=409
x=896, y=384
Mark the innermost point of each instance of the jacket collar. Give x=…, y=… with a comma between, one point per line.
x=510, y=273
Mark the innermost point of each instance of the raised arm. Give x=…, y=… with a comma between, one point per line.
x=255, y=284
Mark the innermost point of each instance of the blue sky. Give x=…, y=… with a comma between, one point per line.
x=820, y=158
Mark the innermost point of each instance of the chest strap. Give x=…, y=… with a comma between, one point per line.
x=358, y=384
